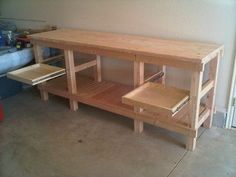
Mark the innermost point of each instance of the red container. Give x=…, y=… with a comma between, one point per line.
x=1, y=113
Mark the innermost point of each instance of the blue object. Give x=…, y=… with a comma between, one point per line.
x=2, y=42
x=14, y=60
x=9, y=87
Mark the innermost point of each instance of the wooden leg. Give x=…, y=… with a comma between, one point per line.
x=43, y=94
x=196, y=86
x=163, y=81
x=138, y=126
x=210, y=103
x=138, y=80
x=71, y=78
x=98, y=73
x=38, y=54
x=191, y=143
x=138, y=73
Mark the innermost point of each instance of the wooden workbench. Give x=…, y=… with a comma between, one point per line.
x=107, y=95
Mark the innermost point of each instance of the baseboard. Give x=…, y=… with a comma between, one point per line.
x=219, y=119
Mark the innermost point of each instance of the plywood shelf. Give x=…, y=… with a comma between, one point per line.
x=107, y=95
x=36, y=73
x=157, y=98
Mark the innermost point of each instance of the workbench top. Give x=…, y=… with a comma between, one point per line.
x=193, y=52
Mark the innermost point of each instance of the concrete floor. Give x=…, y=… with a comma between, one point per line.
x=46, y=139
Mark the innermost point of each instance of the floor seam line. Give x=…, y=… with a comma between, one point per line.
x=201, y=133
x=177, y=163
x=183, y=156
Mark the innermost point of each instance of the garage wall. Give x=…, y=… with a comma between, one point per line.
x=205, y=21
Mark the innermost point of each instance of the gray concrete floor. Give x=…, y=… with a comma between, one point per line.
x=46, y=139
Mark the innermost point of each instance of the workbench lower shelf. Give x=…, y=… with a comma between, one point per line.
x=107, y=95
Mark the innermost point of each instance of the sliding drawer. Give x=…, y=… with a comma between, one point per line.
x=36, y=74
x=157, y=98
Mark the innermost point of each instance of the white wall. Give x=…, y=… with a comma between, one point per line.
x=205, y=20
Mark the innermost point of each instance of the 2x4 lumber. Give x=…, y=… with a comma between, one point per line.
x=138, y=80
x=162, y=60
x=85, y=66
x=155, y=76
x=124, y=55
x=137, y=45
x=87, y=49
x=112, y=106
x=191, y=143
x=210, y=103
x=138, y=125
x=98, y=69
x=209, y=57
x=203, y=116
x=54, y=58
x=207, y=87
x=163, y=81
x=138, y=73
x=196, y=87
x=160, y=120
x=38, y=54
x=71, y=77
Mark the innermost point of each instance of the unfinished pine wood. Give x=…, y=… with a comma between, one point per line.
x=54, y=59
x=213, y=73
x=207, y=87
x=163, y=81
x=98, y=69
x=195, y=91
x=177, y=124
x=181, y=54
x=193, y=52
x=138, y=74
x=104, y=95
x=36, y=74
x=156, y=76
x=38, y=55
x=84, y=66
x=157, y=98
x=107, y=95
x=71, y=77
x=203, y=116
x=138, y=80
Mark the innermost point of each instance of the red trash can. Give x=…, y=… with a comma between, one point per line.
x=1, y=113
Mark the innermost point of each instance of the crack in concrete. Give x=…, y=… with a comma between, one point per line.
x=182, y=157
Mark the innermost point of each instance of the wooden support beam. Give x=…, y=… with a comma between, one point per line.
x=71, y=77
x=164, y=75
x=155, y=76
x=54, y=58
x=207, y=87
x=210, y=103
x=203, y=116
x=138, y=73
x=38, y=54
x=98, y=69
x=85, y=66
x=138, y=80
x=196, y=87
x=138, y=126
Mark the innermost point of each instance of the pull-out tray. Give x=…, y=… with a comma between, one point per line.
x=36, y=73
x=157, y=98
